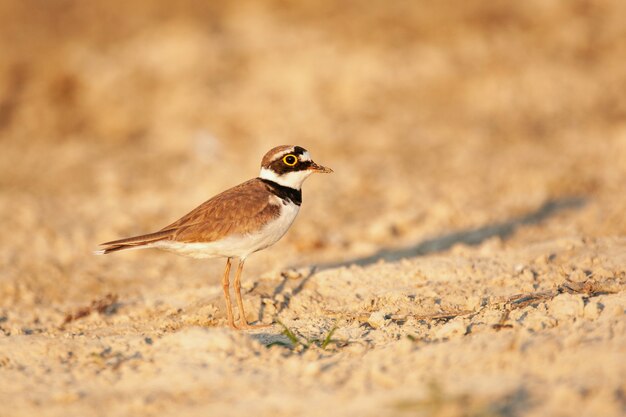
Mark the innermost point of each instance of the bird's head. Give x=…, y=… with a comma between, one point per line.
x=289, y=166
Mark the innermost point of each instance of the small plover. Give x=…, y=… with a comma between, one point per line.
x=238, y=222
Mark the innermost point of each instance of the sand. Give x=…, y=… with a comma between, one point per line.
x=466, y=258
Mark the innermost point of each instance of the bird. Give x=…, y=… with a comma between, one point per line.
x=238, y=222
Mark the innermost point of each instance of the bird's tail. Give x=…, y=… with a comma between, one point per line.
x=135, y=242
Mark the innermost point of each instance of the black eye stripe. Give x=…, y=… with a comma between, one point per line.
x=280, y=167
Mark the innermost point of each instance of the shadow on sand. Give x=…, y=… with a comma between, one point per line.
x=470, y=237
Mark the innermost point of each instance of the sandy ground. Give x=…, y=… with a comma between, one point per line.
x=466, y=258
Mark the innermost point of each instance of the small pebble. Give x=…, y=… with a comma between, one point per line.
x=377, y=320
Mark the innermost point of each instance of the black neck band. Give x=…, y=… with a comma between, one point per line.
x=285, y=193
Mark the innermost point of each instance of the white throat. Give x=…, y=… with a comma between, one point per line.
x=292, y=179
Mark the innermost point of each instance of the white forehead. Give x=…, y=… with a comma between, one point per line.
x=305, y=156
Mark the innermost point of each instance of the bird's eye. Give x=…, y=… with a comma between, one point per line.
x=290, y=160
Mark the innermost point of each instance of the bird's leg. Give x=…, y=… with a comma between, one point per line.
x=225, y=285
x=242, y=314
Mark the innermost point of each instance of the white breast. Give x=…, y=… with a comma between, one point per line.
x=238, y=246
x=277, y=228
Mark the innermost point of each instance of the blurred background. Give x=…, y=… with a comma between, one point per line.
x=118, y=117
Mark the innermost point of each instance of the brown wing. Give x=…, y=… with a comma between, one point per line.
x=239, y=210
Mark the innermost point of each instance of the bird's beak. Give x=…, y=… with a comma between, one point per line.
x=318, y=168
